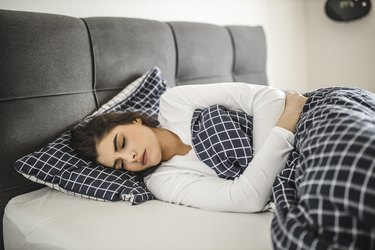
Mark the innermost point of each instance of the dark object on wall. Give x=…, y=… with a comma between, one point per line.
x=347, y=10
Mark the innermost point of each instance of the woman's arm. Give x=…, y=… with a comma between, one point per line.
x=247, y=193
x=250, y=191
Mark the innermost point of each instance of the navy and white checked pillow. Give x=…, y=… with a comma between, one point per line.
x=57, y=165
x=222, y=139
x=325, y=196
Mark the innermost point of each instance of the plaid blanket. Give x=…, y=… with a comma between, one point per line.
x=325, y=196
x=223, y=139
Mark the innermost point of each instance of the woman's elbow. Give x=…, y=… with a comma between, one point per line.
x=252, y=203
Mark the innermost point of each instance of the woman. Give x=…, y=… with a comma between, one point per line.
x=135, y=143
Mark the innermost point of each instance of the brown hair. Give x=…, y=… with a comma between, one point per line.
x=86, y=136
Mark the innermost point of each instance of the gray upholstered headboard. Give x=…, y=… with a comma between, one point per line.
x=54, y=70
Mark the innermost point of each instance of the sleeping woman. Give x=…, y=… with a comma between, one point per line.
x=320, y=172
x=163, y=152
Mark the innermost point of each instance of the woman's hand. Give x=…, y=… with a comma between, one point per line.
x=294, y=103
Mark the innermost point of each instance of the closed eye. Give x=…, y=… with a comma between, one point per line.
x=119, y=164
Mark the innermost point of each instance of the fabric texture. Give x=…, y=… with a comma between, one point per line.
x=222, y=139
x=58, y=166
x=325, y=196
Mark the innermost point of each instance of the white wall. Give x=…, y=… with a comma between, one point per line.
x=340, y=53
x=306, y=50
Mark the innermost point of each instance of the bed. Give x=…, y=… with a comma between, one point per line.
x=60, y=71
x=56, y=70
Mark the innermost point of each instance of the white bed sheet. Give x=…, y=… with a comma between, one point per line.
x=50, y=220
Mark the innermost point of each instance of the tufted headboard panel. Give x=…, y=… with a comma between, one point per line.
x=125, y=48
x=55, y=70
x=186, y=52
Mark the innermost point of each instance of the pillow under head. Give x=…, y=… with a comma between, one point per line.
x=57, y=165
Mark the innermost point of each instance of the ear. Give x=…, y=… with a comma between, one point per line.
x=137, y=121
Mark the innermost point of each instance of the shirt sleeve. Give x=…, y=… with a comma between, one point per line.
x=250, y=191
x=247, y=193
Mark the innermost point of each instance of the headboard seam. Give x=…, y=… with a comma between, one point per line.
x=93, y=66
x=177, y=55
x=42, y=96
x=234, y=52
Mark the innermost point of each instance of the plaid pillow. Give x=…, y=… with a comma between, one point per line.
x=223, y=139
x=57, y=165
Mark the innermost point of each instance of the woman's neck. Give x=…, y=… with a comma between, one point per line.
x=171, y=144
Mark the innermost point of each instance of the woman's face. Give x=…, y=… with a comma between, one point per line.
x=133, y=147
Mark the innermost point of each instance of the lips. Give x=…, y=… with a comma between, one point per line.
x=144, y=158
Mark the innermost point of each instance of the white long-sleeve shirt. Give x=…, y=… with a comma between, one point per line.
x=187, y=181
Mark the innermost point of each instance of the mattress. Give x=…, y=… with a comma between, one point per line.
x=48, y=219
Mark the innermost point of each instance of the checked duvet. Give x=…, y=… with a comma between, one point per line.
x=325, y=195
